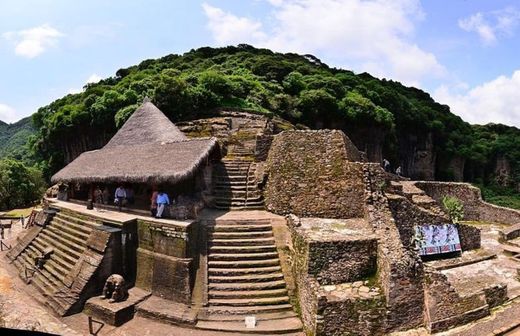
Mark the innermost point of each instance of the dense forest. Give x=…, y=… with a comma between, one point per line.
x=382, y=117
x=13, y=139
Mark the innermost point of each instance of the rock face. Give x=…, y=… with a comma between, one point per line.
x=502, y=171
x=417, y=156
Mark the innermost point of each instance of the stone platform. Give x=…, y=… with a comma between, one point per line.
x=167, y=311
x=115, y=313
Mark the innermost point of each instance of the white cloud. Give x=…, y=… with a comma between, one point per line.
x=32, y=42
x=493, y=25
x=228, y=28
x=94, y=78
x=375, y=35
x=496, y=101
x=7, y=114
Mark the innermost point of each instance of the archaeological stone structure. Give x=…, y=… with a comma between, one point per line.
x=292, y=226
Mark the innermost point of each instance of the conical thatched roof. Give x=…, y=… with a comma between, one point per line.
x=149, y=148
x=146, y=125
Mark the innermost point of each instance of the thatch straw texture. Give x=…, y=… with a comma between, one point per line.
x=151, y=163
x=146, y=125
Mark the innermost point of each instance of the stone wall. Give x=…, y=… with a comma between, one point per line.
x=334, y=251
x=445, y=308
x=307, y=287
x=165, y=260
x=363, y=316
x=474, y=207
x=309, y=174
x=336, y=262
x=408, y=215
x=263, y=144
x=400, y=272
x=470, y=237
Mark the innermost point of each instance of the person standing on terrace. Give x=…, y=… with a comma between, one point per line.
x=120, y=197
x=162, y=201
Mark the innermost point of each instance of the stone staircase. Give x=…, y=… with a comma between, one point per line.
x=245, y=278
x=415, y=195
x=235, y=186
x=67, y=236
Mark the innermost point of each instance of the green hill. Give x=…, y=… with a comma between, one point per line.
x=13, y=139
x=382, y=117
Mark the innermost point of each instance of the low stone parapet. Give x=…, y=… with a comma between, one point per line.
x=510, y=233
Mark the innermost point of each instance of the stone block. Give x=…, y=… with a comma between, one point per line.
x=115, y=313
x=145, y=269
x=172, y=282
x=145, y=235
x=168, y=244
x=167, y=311
x=98, y=240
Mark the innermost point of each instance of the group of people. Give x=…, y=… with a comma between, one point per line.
x=125, y=195
x=122, y=196
x=387, y=168
x=159, y=201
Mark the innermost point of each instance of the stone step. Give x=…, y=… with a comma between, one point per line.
x=57, y=271
x=72, y=239
x=54, y=262
x=240, y=208
x=239, y=227
x=243, y=271
x=233, y=178
x=70, y=228
x=56, y=238
x=243, y=256
x=64, y=260
x=65, y=253
x=249, y=301
x=243, y=221
x=217, y=294
x=249, y=310
x=242, y=242
x=246, y=286
x=248, y=278
x=244, y=263
x=245, y=234
x=205, y=316
x=86, y=223
x=226, y=193
x=240, y=249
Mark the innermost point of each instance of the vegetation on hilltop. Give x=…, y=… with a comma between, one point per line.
x=13, y=139
x=380, y=116
x=20, y=185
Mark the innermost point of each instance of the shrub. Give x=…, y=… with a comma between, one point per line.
x=454, y=207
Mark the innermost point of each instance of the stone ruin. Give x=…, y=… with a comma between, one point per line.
x=333, y=254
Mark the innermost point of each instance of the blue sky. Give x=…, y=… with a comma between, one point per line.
x=463, y=52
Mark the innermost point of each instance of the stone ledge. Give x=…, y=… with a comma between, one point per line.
x=453, y=321
x=510, y=233
x=167, y=311
x=467, y=258
x=115, y=313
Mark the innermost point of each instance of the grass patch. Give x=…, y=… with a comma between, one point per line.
x=506, y=197
x=19, y=212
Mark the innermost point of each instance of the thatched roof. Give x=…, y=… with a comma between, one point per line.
x=149, y=148
x=146, y=125
x=148, y=163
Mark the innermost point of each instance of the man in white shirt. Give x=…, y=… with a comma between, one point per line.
x=120, y=196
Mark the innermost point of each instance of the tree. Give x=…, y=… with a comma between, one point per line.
x=19, y=185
